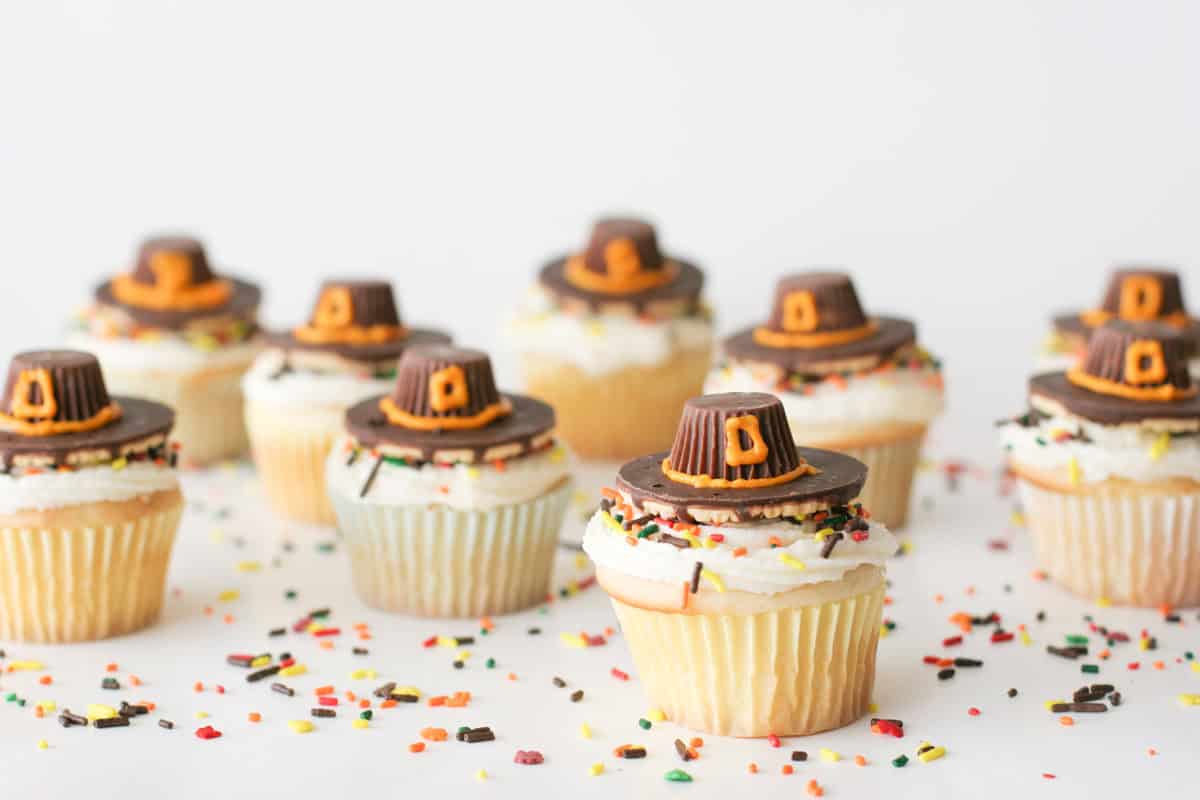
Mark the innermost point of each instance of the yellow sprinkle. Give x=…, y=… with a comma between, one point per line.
x=1103, y=602
x=821, y=534
x=883, y=631
x=293, y=670
x=709, y=544
x=481, y=775
x=656, y=715
x=313, y=626
x=360, y=724
x=47, y=705
x=1144, y=643
x=906, y=547
x=595, y=328
x=216, y=536
x=301, y=726
x=557, y=455
x=872, y=708
x=1196, y=666
x=96, y=711
x=1160, y=447
x=596, y=769
x=463, y=655
x=412, y=690
x=228, y=596
x=1049, y=704
x=25, y=666
x=249, y=566
x=43, y=744
x=1073, y=471
x=473, y=473
x=119, y=463
x=573, y=640
x=361, y=674
x=585, y=732
x=830, y=755
x=261, y=661
x=792, y=561
x=581, y=561
x=447, y=641
x=201, y=715
x=1026, y=639
x=691, y=538
x=611, y=522
x=1017, y=519
x=1190, y=699
x=712, y=578
x=932, y=755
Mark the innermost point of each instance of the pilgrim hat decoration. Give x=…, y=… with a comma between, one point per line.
x=817, y=317
x=172, y=283
x=356, y=319
x=622, y=264
x=56, y=408
x=735, y=451
x=1133, y=371
x=1141, y=295
x=445, y=407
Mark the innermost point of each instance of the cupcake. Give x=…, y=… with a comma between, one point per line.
x=171, y=330
x=449, y=494
x=299, y=388
x=1107, y=462
x=1134, y=295
x=855, y=384
x=748, y=581
x=616, y=339
x=89, y=504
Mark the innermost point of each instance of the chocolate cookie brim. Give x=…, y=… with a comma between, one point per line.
x=140, y=420
x=242, y=304
x=529, y=422
x=1072, y=325
x=383, y=351
x=840, y=480
x=685, y=288
x=891, y=335
x=1108, y=409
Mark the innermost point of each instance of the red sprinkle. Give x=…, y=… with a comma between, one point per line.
x=773, y=740
x=953, y=640
x=1001, y=637
x=619, y=675
x=327, y=700
x=973, y=711
x=208, y=732
x=327, y=632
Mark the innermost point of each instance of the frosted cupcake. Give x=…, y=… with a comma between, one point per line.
x=171, y=330
x=89, y=504
x=450, y=495
x=1108, y=465
x=1133, y=295
x=748, y=581
x=851, y=383
x=616, y=339
x=299, y=388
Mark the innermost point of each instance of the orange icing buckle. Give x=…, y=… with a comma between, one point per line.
x=709, y=482
x=22, y=406
x=169, y=295
x=625, y=274
x=735, y=454
x=353, y=334
x=1142, y=350
x=1141, y=298
x=800, y=312
x=1160, y=394
x=448, y=389
x=49, y=427
x=398, y=416
x=807, y=341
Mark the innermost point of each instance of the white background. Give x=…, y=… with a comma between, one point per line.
x=975, y=165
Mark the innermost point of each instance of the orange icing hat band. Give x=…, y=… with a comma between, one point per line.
x=1164, y=393
x=49, y=427
x=808, y=341
x=352, y=334
x=1098, y=316
x=398, y=416
x=709, y=482
x=171, y=296
x=618, y=282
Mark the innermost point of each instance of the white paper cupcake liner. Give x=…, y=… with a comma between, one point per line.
x=790, y=672
x=290, y=450
x=438, y=561
x=891, y=468
x=1118, y=542
x=84, y=583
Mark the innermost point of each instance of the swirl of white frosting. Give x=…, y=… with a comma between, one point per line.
x=52, y=489
x=763, y=569
x=1108, y=451
x=602, y=343
x=306, y=388
x=899, y=395
x=461, y=486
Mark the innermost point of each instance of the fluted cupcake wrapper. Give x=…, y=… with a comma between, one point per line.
x=790, y=672
x=1122, y=543
x=290, y=451
x=891, y=468
x=436, y=561
x=85, y=583
x=208, y=407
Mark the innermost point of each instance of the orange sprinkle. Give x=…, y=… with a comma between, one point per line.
x=788, y=769
x=38, y=712
x=738, y=552
x=1159, y=665
x=326, y=644
x=416, y=747
x=110, y=668
x=360, y=626
x=434, y=734
x=499, y=465
x=487, y=624
x=458, y=700
x=350, y=696
x=860, y=760
x=814, y=788
x=321, y=691
x=255, y=716
x=364, y=703
x=1066, y=721
x=198, y=687
x=693, y=754
x=389, y=703
x=134, y=680
x=208, y=611
x=752, y=768
x=632, y=542
x=365, y=637
x=149, y=706
x=611, y=494
x=512, y=676
x=775, y=541
x=45, y=680
x=227, y=619
x=697, y=742
x=440, y=700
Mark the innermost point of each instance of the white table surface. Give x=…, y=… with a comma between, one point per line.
x=1003, y=751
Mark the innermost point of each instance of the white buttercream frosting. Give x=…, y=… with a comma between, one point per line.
x=602, y=343
x=898, y=395
x=53, y=489
x=461, y=486
x=165, y=353
x=303, y=388
x=764, y=569
x=1108, y=451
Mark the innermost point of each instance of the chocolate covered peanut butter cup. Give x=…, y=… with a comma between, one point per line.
x=1137, y=294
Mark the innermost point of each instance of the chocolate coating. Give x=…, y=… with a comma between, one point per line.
x=140, y=419
x=75, y=377
x=371, y=302
x=891, y=335
x=834, y=300
x=641, y=234
x=180, y=246
x=841, y=480
x=1108, y=409
x=414, y=392
x=1167, y=280
x=701, y=439
x=685, y=288
x=1106, y=355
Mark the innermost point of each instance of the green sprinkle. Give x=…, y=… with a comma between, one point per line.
x=11, y=697
x=644, y=724
x=899, y=761
x=649, y=529
x=1076, y=639
x=326, y=547
x=290, y=594
x=1188, y=655
x=1089, y=669
x=490, y=663
x=891, y=626
x=464, y=728
x=398, y=462
x=366, y=715
x=678, y=776
x=483, y=631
